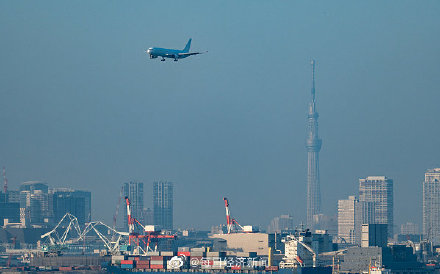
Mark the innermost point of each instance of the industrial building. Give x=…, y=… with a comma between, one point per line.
x=163, y=204
x=431, y=206
x=397, y=258
x=245, y=242
x=379, y=191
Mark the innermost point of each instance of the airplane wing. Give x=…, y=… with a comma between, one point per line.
x=190, y=53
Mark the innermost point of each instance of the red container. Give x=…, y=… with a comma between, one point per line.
x=65, y=268
x=143, y=263
x=156, y=258
x=271, y=268
x=156, y=266
x=127, y=262
x=184, y=253
x=235, y=267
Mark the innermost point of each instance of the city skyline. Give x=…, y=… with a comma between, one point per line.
x=83, y=106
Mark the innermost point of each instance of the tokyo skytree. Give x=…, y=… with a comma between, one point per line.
x=313, y=145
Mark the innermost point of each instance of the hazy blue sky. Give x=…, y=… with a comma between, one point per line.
x=81, y=104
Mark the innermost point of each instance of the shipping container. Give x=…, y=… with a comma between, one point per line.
x=216, y=254
x=158, y=266
x=127, y=266
x=127, y=262
x=198, y=254
x=271, y=268
x=125, y=247
x=198, y=249
x=157, y=262
x=167, y=253
x=152, y=253
x=156, y=258
x=65, y=268
x=184, y=253
x=183, y=248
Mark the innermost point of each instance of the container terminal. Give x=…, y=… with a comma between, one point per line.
x=99, y=248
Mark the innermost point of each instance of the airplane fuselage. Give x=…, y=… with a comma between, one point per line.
x=171, y=53
x=166, y=53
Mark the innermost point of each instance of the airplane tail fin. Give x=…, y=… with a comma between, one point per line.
x=188, y=45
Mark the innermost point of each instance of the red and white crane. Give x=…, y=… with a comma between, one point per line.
x=150, y=231
x=231, y=222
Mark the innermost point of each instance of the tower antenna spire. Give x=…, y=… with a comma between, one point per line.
x=313, y=79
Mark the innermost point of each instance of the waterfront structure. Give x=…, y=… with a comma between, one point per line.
x=431, y=206
x=135, y=193
x=313, y=145
x=281, y=224
x=163, y=204
x=378, y=190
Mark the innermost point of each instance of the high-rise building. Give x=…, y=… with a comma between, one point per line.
x=313, y=145
x=34, y=203
x=431, y=206
x=135, y=193
x=75, y=202
x=409, y=229
x=280, y=224
x=163, y=204
x=374, y=235
x=347, y=219
x=352, y=214
x=148, y=216
x=379, y=191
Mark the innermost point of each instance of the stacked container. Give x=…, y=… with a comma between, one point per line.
x=116, y=259
x=157, y=262
x=127, y=264
x=142, y=264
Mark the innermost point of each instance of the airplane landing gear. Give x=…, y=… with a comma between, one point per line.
x=163, y=59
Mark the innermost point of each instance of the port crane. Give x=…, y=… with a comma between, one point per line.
x=149, y=232
x=232, y=224
x=56, y=242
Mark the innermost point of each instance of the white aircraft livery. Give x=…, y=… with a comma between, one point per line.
x=171, y=53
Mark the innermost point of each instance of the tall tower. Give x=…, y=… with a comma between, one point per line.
x=313, y=146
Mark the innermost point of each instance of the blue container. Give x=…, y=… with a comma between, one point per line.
x=127, y=266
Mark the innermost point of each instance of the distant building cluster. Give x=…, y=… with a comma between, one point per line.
x=374, y=206
x=37, y=205
x=162, y=213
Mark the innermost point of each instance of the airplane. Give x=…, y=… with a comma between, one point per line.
x=171, y=53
